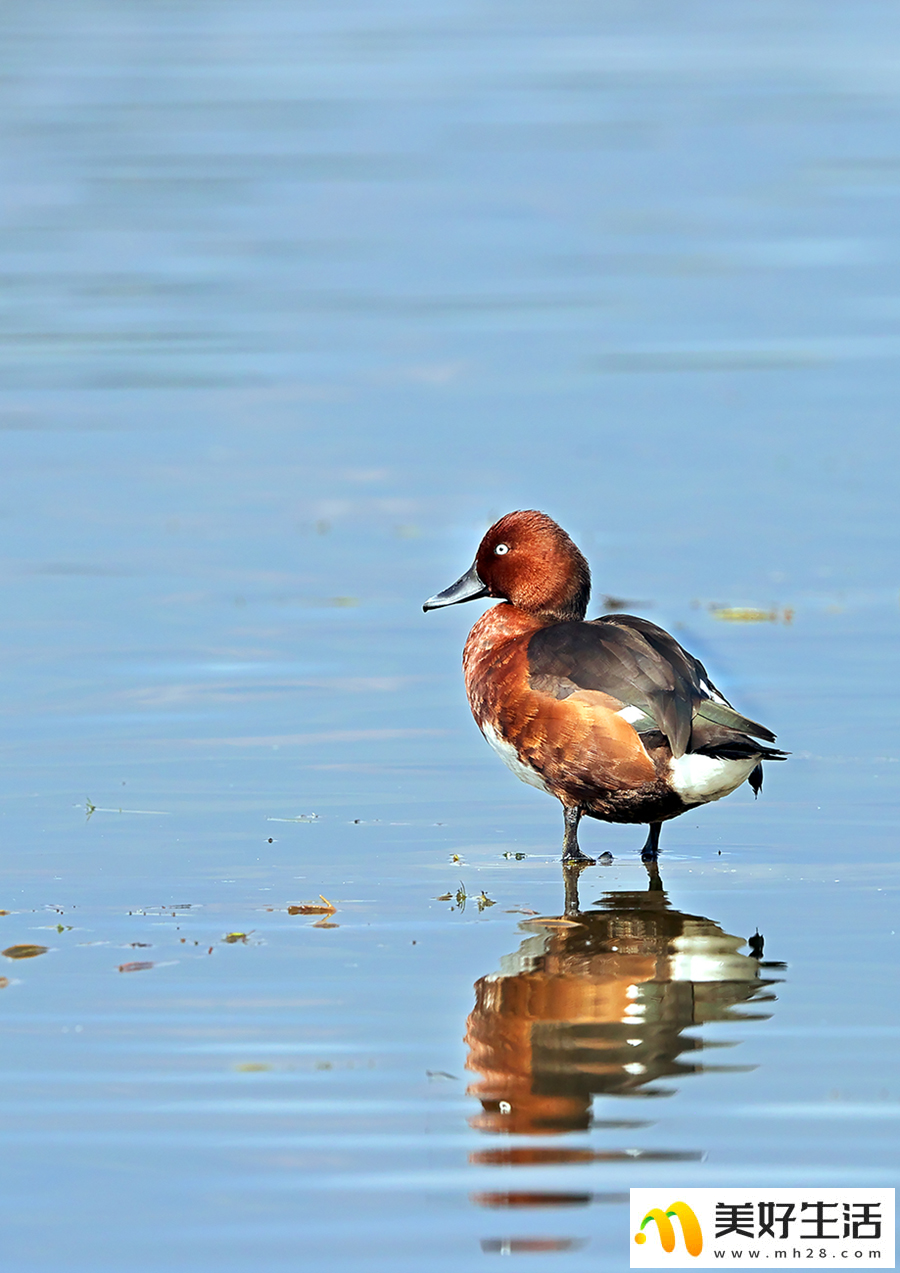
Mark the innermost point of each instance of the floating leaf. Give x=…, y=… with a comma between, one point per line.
x=90, y=808
x=313, y=908
x=252, y=1067
x=23, y=952
x=137, y=966
x=4, y=982
x=747, y=614
x=553, y=921
x=444, y=897
x=232, y=938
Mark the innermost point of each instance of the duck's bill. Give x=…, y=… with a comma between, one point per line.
x=468, y=588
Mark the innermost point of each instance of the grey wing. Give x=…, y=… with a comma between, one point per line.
x=641, y=666
x=713, y=706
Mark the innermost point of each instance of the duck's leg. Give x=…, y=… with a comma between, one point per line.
x=655, y=884
x=571, y=851
x=571, y=872
x=651, y=848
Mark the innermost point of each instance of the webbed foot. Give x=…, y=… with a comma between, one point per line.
x=578, y=859
x=572, y=854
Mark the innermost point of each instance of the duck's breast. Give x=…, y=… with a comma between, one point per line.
x=509, y=754
x=554, y=744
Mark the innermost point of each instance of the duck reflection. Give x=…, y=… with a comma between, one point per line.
x=597, y=1002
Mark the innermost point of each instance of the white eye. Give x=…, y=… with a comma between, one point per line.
x=501, y=549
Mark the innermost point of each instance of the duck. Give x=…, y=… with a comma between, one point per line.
x=596, y=1002
x=609, y=715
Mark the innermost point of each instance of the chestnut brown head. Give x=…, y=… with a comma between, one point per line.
x=528, y=560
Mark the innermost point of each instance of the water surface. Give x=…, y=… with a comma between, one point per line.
x=296, y=300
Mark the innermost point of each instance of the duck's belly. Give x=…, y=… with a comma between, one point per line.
x=697, y=779
x=510, y=757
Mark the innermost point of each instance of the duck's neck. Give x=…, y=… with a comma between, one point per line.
x=496, y=627
x=504, y=622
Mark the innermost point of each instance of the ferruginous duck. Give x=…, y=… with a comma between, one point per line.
x=609, y=715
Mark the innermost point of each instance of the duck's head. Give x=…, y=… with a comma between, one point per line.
x=528, y=560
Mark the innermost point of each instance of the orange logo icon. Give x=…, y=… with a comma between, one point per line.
x=690, y=1227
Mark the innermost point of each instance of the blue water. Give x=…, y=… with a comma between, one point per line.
x=296, y=300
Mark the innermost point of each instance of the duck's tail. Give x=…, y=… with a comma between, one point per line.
x=721, y=714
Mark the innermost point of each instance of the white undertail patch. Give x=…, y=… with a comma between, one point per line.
x=699, y=779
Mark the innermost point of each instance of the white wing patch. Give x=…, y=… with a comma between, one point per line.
x=510, y=758
x=713, y=694
x=699, y=779
x=632, y=714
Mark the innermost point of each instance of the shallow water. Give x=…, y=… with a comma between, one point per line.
x=297, y=299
